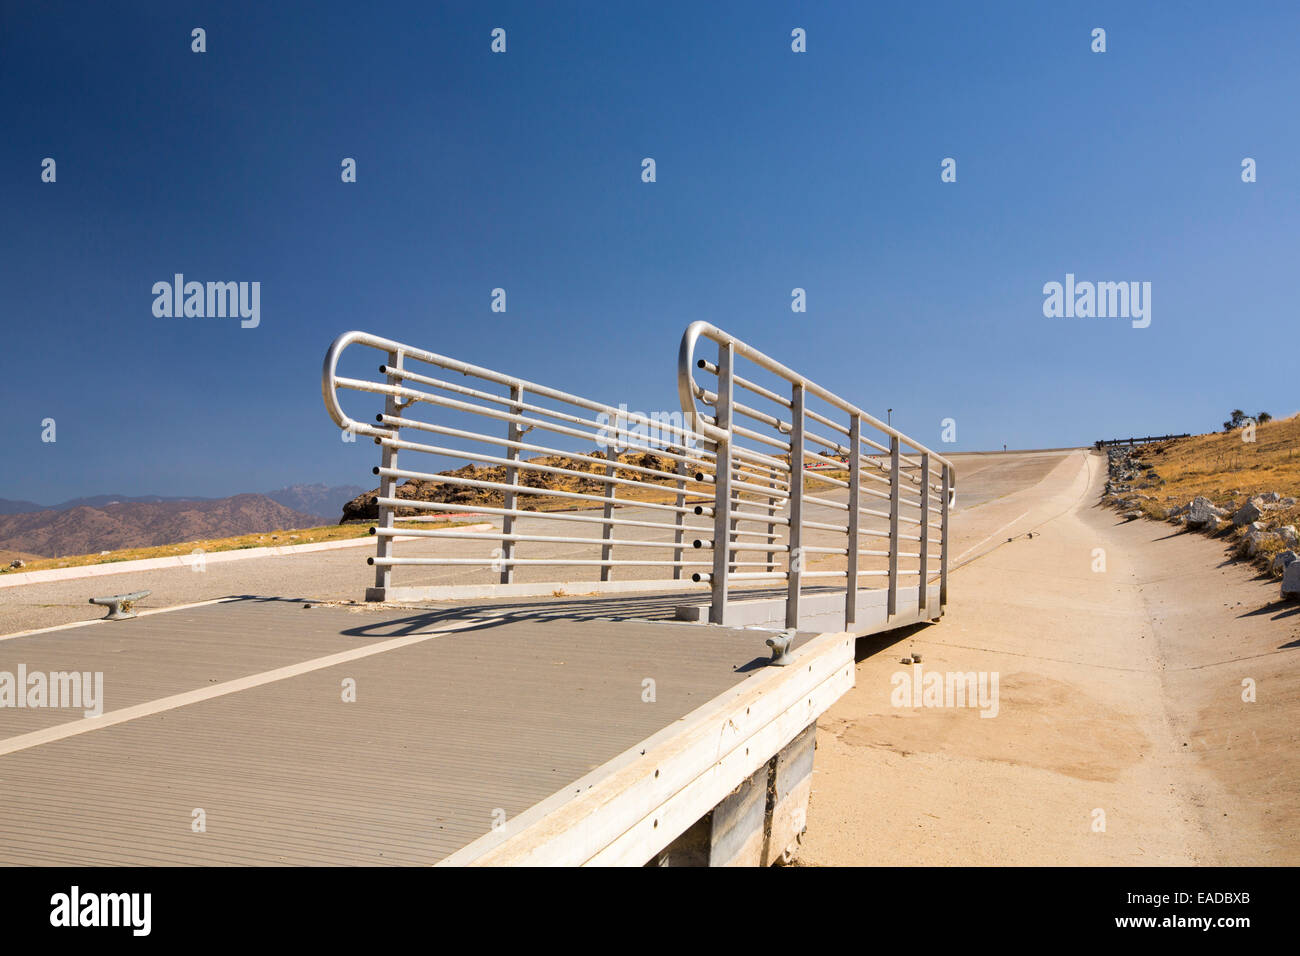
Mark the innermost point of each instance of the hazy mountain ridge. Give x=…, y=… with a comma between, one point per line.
x=313, y=499
x=135, y=524
x=316, y=499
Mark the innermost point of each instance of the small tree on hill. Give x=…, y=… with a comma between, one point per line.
x=1236, y=421
x=1239, y=418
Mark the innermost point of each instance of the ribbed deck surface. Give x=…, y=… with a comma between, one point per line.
x=445, y=730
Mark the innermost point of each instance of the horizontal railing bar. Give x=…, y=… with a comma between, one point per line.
x=825, y=503
x=830, y=423
x=873, y=493
x=459, y=507
x=758, y=458
x=488, y=538
x=760, y=437
x=745, y=576
x=521, y=489
x=525, y=465
x=558, y=429
x=762, y=491
x=620, y=414
x=747, y=515
x=708, y=544
x=399, y=421
x=823, y=526
x=757, y=389
x=536, y=562
x=811, y=438
x=452, y=365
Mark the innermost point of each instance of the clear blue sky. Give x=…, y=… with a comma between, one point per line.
x=775, y=170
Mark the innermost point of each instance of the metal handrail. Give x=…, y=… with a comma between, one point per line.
x=755, y=530
x=723, y=433
x=688, y=390
x=524, y=409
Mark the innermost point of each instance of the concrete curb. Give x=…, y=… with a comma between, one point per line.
x=215, y=557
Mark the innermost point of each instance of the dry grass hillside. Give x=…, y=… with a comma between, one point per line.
x=1227, y=470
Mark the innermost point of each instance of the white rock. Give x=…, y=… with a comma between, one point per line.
x=1291, y=580
x=1282, y=561
x=1250, y=512
x=1202, y=510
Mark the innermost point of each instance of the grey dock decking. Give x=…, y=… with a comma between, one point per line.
x=473, y=713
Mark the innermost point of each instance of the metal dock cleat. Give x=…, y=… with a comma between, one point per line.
x=120, y=605
x=781, y=648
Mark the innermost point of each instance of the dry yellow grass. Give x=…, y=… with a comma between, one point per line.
x=1227, y=470
x=1224, y=468
x=267, y=539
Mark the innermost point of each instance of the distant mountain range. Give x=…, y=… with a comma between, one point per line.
x=111, y=522
x=325, y=501
x=140, y=524
x=9, y=507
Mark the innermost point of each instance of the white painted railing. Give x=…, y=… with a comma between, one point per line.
x=693, y=480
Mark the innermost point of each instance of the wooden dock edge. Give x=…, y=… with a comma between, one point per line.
x=631, y=809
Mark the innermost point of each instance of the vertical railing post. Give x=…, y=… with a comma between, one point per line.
x=737, y=476
x=895, y=489
x=606, y=528
x=771, y=525
x=513, y=433
x=943, y=551
x=722, y=487
x=855, y=504
x=795, y=565
x=387, y=484
x=679, y=519
x=923, y=591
